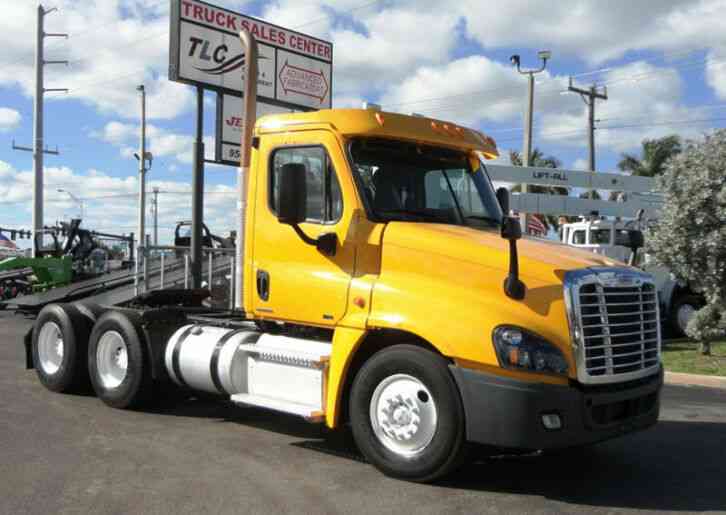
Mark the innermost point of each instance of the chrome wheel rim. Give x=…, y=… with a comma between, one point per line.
x=112, y=359
x=684, y=315
x=50, y=348
x=403, y=415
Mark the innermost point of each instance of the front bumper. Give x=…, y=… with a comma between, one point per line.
x=507, y=413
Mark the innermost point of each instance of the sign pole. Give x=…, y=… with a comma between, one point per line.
x=198, y=193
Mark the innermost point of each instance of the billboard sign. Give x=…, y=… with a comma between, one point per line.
x=229, y=125
x=294, y=69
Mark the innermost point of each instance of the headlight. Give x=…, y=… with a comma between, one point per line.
x=521, y=350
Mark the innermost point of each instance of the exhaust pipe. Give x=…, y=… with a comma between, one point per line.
x=248, y=125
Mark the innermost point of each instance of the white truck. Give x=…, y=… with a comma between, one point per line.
x=612, y=238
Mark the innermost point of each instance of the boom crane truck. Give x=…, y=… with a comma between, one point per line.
x=385, y=288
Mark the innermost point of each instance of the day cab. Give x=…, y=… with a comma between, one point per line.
x=386, y=230
x=386, y=289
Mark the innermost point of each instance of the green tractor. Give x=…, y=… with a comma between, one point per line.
x=56, y=264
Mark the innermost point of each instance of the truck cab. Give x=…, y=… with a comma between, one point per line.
x=385, y=289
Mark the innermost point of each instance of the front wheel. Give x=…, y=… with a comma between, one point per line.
x=406, y=414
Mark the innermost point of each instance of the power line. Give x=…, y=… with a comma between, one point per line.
x=466, y=97
x=350, y=10
x=619, y=127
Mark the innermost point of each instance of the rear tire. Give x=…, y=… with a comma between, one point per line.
x=118, y=361
x=406, y=414
x=60, y=340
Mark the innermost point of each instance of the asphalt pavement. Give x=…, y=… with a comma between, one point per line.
x=72, y=454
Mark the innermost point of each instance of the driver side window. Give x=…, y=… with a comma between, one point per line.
x=324, y=197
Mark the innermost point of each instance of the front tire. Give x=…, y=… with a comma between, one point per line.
x=60, y=340
x=118, y=361
x=406, y=414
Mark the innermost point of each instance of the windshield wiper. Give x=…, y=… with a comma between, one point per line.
x=415, y=215
x=483, y=218
x=404, y=212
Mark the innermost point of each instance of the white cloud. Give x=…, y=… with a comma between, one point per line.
x=644, y=102
x=596, y=31
x=161, y=142
x=110, y=203
x=9, y=119
x=113, y=47
x=579, y=164
x=716, y=72
x=391, y=49
x=469, y=90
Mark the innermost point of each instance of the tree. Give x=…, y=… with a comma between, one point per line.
x=539, y=159
x=536, y=159
x=656, y=152
x=690, y=237
x=594, y=195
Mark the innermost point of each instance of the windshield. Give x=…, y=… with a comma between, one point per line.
x=418, y=183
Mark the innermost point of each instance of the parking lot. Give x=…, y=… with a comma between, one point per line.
x=71, y=454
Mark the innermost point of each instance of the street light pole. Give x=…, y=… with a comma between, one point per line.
x=544, y=55
x=74, y=199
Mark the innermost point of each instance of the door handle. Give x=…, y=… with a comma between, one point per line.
x=263, y=285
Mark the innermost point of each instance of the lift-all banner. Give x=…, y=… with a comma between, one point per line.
x=294, y=69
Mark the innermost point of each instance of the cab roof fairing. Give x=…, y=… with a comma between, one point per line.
x=368, y=122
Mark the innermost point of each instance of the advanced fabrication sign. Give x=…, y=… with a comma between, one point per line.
x=295, y=70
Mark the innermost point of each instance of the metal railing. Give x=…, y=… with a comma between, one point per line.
x=167, y=266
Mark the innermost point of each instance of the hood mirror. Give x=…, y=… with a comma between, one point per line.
x=503, y=198
x=511, y=231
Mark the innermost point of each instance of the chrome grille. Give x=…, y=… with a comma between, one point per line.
x=615, y=324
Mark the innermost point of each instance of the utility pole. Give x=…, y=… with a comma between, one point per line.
x=544, y=55
x=142, y=157
x=589, y=96
x=142, y=173
x=38, y=148
x=155, y=203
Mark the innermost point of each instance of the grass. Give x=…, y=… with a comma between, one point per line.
x=684, y=356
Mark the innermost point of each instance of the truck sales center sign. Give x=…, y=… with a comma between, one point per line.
x=295, y=70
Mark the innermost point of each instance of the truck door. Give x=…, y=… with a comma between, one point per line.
x=293, y=280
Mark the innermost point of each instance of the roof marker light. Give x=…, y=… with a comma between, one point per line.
x=380, y=119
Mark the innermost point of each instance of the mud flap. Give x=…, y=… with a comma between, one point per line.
x=28, y=341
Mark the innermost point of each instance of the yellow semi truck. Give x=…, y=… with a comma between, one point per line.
x=385, y=288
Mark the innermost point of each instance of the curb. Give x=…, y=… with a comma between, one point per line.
x=678, y=378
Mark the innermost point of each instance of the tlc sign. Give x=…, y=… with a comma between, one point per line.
x=294, y=69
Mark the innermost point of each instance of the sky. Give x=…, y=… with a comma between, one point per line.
x=663, y=62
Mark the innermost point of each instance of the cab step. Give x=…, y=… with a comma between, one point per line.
x=285, y=374
x=310, y=413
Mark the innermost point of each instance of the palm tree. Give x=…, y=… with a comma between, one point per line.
x=537, y=159
x=656, y=152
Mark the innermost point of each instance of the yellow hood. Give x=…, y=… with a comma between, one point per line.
x=541, y=259
x=444, y=283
